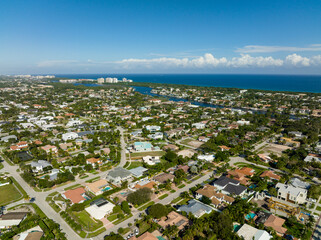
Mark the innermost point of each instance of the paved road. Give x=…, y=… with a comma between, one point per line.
x=40, y=197
x=41, y=201
x=123, y=147
x=164, y=201
x=317, y=231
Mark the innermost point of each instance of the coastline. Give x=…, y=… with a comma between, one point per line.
x=282, y=83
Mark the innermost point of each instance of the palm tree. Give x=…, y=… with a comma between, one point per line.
x=170, y=231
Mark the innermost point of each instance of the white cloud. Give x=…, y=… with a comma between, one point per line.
x=297, y=60
x=316, y=60
x=208, y=61
x=267, y=49
x=249, y=61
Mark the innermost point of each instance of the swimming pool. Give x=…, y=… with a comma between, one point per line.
x=249, y=216
x=236, y=227
x=106, y=188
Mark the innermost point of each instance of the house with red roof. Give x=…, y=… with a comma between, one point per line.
x=75, y=195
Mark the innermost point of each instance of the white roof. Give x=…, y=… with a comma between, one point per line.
x=100, y=212
x=206, y=157
x=294, y=191
x=296, y=182
x=249, y=233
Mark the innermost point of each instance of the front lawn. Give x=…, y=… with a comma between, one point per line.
x=86, y=221
x=9, y=193
x=143, y=154
x=134, y=165
x=112, y=217
x=143, y=227
x=163, y=196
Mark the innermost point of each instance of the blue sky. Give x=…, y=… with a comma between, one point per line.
x=151, y=36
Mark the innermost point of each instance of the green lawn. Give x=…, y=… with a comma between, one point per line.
x=72, y=187
x=318, y=208
x=134, y=165
x=123, y=219
x=1, y=165
x=163, y=196
x=258, y=170
x=17, y=185
x=9, y=193
x=176, y=200
x=92, y=180
x=146, y=206
x=84, y=176
x=184, y=201
x=99, y=231
x=143, y=227
x=186, y=141
x=143, y=154
x=112, y=217
x=86, y=221
x=181, y=186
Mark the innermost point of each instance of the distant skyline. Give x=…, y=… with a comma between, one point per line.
x=160, y=36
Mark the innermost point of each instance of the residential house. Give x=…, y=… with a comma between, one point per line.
x=151, y=160
x=99, y=208
x=94, y=161
x=243, y=122
x=174, y=218
x=34, y=233
x=171, y=147
x=75, y=195
x=156, y=136
x=50, y=149
x=164, y=177
x=212, y=193
x=313, y=157
x=40, y=165
x=19, y=145
x=145, y=236
x=11, y=219
x=248, y=232
x=199, y=125
x=185, y=168
x=206, y=157
x=290, y=142
x=186, y=153
x=264, y=158
x=143, y=184
x=8, y=138
x=69, y=136
x=143, y=147
x=276, y=223
x=229, y=186
x=271, y=175
x=224, y=148
x=119, y=175
x=65, y=146
x=138, y=172
x=196, y=208
x=291, y=194
x=153, y=129
x=98, y=187
x=297, y=182
x=239, y=176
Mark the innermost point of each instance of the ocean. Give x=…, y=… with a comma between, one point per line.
x=292, y=83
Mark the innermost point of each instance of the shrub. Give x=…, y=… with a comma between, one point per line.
x=158, y=210
x=139, y=197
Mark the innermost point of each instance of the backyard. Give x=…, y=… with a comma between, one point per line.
x=9, y=193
